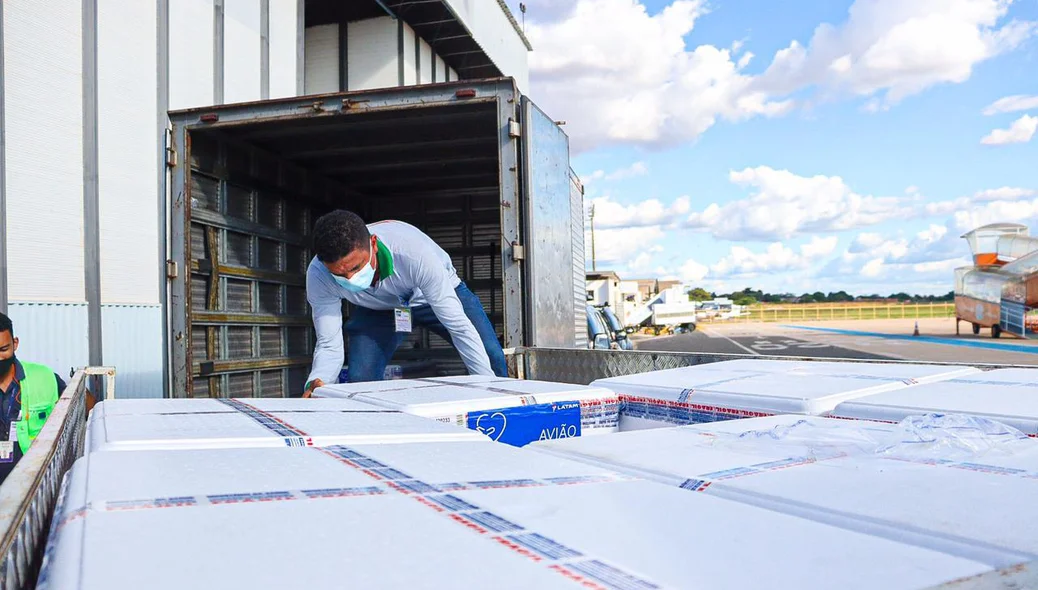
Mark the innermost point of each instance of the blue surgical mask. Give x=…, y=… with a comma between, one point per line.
x=360, y=280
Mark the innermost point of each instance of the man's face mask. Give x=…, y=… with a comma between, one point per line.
x=6, y=364
x=361, y=279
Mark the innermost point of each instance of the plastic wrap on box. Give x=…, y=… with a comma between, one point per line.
x=439, y=515
x=138, y=407
x=502, y=411
x=1006, y=395
x=876, y=478
x=350, y=390
x=752, y=388
x=248, y=426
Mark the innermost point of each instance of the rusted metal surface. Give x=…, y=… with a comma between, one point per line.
x=237, y=366
x=211, y=318
x=241, y=272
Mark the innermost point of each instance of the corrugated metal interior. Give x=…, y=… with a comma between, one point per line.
x=579, y=274
x=37, y=326
x=255, y=191
x=132, y=343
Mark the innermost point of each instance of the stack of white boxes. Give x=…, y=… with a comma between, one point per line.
x=510, y=411
x=398, y=484
x=437, y=514
x=754, y=388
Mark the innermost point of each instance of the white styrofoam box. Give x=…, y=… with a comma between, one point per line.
x=321, y=59
x=422, y=515
x=467, y=379
x=756, y=387
x=967, y=508
x=256, y=428
x=349, y=390
x=373, y=54
x=1009, y=396
x=139, y=407
x=512, y=416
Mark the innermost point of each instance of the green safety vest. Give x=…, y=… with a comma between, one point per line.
x=39, y=392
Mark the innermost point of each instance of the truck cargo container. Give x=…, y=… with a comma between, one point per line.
x=474, y=164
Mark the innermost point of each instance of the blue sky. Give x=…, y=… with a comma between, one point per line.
x=794, y=146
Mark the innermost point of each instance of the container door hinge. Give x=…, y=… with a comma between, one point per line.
x=514, y=130
x=171, y=154
x=171, y=269
x=518, y=252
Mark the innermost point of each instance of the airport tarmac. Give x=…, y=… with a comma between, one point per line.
x=855, y=339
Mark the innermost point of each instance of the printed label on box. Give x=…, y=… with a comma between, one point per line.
x=525, y=424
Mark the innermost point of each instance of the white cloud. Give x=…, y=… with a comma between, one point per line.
x=1020, y=131
x=786, y=205
x=742, y=262
x=1005, y=193
x=616, y=73
x=897, y=48
x=1012, y=104
x=632, y=171
x=622, y=248
x=610, y=214
x=693, y=271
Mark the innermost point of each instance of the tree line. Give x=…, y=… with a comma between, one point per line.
x=750, y=296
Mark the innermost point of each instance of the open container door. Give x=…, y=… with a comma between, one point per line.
x=548, y=203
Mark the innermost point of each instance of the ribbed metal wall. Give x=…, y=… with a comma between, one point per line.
x=132, y=343
x=579, y=274
x=53, y=334
x=242, y=64
x=373, y=54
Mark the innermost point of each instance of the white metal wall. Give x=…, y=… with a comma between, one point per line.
x=489, y=25
x=372, y=54
x=322, y=59
x=284, y=26
x=43, y=100
x=439, y=70
x=191, y=47
x=127, y=158
x=410, y=56
x=242, y=44
x=425, y=62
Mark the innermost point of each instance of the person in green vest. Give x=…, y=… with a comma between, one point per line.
x=28, y=392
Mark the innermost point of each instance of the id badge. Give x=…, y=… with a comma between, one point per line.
x=13, y=434
x=6, y=451
x=402, y=315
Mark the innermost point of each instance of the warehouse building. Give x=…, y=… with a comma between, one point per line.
x=85, y=86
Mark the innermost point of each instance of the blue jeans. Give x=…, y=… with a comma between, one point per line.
x=374, y=339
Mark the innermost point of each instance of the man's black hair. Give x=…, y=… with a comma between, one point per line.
x=338, y=233
x=6, y=325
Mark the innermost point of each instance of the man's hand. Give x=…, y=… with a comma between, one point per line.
x=312, y=386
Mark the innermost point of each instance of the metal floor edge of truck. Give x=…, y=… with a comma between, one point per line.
x=473, y=164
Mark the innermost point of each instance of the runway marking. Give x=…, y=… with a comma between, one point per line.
x=929, y=339
x=747, y=349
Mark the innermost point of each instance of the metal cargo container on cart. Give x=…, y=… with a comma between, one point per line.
x=474, y=164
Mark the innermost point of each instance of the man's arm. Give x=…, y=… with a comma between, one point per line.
x=327, y=316
x=435, y=284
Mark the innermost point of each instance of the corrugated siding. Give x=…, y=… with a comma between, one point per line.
x=496, y=35
x=579, y=274
x=410, y=63
x=372, y=53
x=322, y=59
x=190, y=54
x=127, y=165
x=452, y=76
x=52, y=334
x=282, y=40
x=44, y=149
x=425, y=62
x=132, y=343
x=242, y=43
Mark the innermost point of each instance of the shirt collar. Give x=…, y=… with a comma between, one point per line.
x=385, y=260
x=19, y=371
